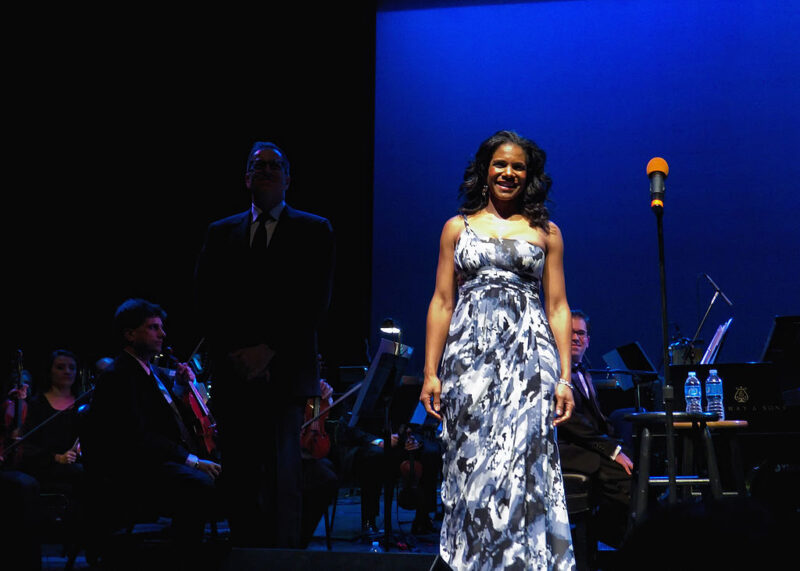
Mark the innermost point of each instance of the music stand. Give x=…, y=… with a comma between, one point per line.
x=424, y=420
x=374, y=401
x=632, y=363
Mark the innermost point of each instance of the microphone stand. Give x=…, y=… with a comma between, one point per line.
x=668, y=392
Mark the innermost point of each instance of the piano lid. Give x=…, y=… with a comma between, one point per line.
x=782, y=348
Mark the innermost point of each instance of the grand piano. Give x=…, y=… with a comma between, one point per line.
x=763, y=393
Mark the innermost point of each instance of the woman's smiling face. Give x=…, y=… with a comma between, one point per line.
x=508, y=172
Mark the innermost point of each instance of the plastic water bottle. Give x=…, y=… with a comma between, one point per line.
x=376, y=547
x=714, y=394
x=692, y=393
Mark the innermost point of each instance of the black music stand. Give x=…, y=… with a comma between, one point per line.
x=374, y=403
x=632, y=368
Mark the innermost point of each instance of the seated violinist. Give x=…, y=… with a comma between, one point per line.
x=320, y=481
x=137, y=443
x=19, y=492
x=51, y=449
x=414, y=459
x=15, y=409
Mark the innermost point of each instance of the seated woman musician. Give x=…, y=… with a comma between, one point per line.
x=51, y=449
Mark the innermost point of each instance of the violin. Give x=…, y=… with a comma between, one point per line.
x=204, y=425
x=314, y=441
x=14, y=412
x=411, y=474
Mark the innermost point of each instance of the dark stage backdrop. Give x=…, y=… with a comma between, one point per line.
x=126, y=134
x=602, y=86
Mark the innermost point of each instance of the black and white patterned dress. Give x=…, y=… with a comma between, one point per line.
x=502, y=490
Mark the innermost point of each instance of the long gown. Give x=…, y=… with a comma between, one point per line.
x=502, y=490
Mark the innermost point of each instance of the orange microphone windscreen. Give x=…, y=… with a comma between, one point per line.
x=657, y=164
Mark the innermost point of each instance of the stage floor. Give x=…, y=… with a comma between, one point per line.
x=346, y=536
x=349, y=546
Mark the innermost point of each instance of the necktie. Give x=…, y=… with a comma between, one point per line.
x=588, y=385
x=260, y=239
x=589, y=388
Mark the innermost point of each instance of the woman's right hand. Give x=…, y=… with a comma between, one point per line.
x=431, y=390
x=18, y=393
x=68, y=457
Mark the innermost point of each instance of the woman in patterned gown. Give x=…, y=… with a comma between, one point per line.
x=500, y=350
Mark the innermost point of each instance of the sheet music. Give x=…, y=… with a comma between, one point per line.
x=716, y=342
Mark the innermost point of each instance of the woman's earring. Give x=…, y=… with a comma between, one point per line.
x=485, y=191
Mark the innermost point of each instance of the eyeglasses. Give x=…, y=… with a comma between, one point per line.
x=264, y=165
x=579, y=332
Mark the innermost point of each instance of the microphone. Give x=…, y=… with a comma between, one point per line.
x=719, y=291
x=657, y=170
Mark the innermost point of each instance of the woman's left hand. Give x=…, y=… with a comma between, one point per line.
x=564, y=403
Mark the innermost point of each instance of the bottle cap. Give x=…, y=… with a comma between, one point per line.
x=712, y=372
x=692, y=373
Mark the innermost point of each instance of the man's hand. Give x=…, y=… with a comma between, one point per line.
x=393, y=443
x=252, y=362
x=625, y=462
x=211, y=468
x=184, y=374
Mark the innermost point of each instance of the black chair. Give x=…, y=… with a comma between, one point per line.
x=581, y=507
x=57, y=503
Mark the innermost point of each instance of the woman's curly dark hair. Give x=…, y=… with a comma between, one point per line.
x=537, y=185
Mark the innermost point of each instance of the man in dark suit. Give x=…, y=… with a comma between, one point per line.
x=136, y=445
x=263, y=283
x=586, y=442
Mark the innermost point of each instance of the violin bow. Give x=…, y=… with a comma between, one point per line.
x=350, y=391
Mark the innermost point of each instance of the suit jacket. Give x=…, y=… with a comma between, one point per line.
x=131, y=426
x=586, y=438
x=279, y=298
